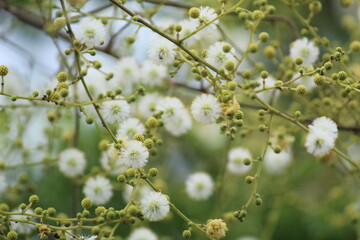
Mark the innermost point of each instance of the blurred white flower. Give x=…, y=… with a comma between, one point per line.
x=199, y=186
x=217, y=57
x=72, y=162
x=90, y=31
x=321, y=137
x=155, y=206
x=127, y=71
x=98, y=189
x=180, y=124
x=236, y=157
x=307, y=81
x=134, y=154
x=206, y=108
x=146, y=106
x=142, y=234
x=110, y=161
x=115, y=111
x=130, y=127
x=306, y=49
x=153, y=74
x=206, y=15
x=141, y=192
x=19, y=227
x=276, y=163
x=162, y=51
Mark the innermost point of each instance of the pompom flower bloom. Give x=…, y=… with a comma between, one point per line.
x=134, y=154
x=98, y=189
x=236, y=158
x=206, y=15
x=217, y=57
x=115, y=111
x=321, y=138
x=206, y=108
x=129, y=128
x=162, y=51
x=199, y=186
x=306, y=49
x=72, y=162
x=142, y=234
x=155, y=206
x=276, y=163
x=91, y=32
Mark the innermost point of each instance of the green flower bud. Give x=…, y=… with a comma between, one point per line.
x=328, y=66
x=264, y=37
x=229, y=65
x=342, y=75
x=258, y=201
x=299, y=60
x=277, y=149
x=264, y=74
x=226, y=48
x=51, y=211
x=100, y=210
x=249, y=179
x=12, y=235
x=153, y=172
x=148, y=143
x=318, y=79
x=4, y=70
x=346, y=3
x=95, y=230
x=253, y=47
x=246, y=74
x=110, y=215
x=186, y=234
x=232, y=85
x=22, y=206
x=38, y=210
x=355, y=46
x=247, y=161
x=86, y=203
x=297, y=114
x=62, y=76
x=301, y=89
x=139, y=137
x=178, y=28
x=315, y=6
x=269, y=52
x=121, y=178
x=59, y=22
x=152, y=122
x=194, y=12
x=34, y=199
x=262, y=128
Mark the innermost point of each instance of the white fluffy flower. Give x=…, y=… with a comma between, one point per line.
x=98, y=189
x=321, y=138
x=110, y=161
x=276, y=163
x=205, y=108
x=72, y=162
x=153, y=74
x=199, y=186
x=127, y=71
x=236, y=157
x=171, y=106
x=217, y=57
x=267, y=95
x=90, y=31
x=142, y=234
x=146, y=107
x=19, y=227
x=206, y=15
x=95, y=83
x=3, y=184
x=155, y=206
x=129, y=128
x=134, y=154
x=180, y=124
x=162, y=51
x=306, y=49
x=189, y=26
x=141, y=192
x=115, y=111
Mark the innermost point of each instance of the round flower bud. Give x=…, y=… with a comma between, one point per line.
x=130, y=172
x=51, y=211
x=318, y=79
x=229, y=65
x=178, y=28
x=152, y=122
x=3, y=70
x=328, y=66
x=258, y=201
x=297, y=114
x=59, y=22
x=253, y=47
x=355, y=46
x=62, y=76
x=153, y=172
x=277, y=149
x=249, y=179
x=315, y=6
x=226, y=47
x=186, y=234
x=262, y=127
x=301, y=89
x=22, y=206
x=346, y=3
x=86, y=203
x=194, y=12
x=38, y=210
x=100, y=210
x=299, y=60
x=342, y=75
x=269, y=52
x=34, y=199
x=247, y=161
x=232, y=85
x=246, y=74
x=264, y=74
x=148, y=143
x=139, y=137
x=12, y=235
x=95, y=230
x=64, y=92
x=89, y=120
x=264, y=36
x=121, y=178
